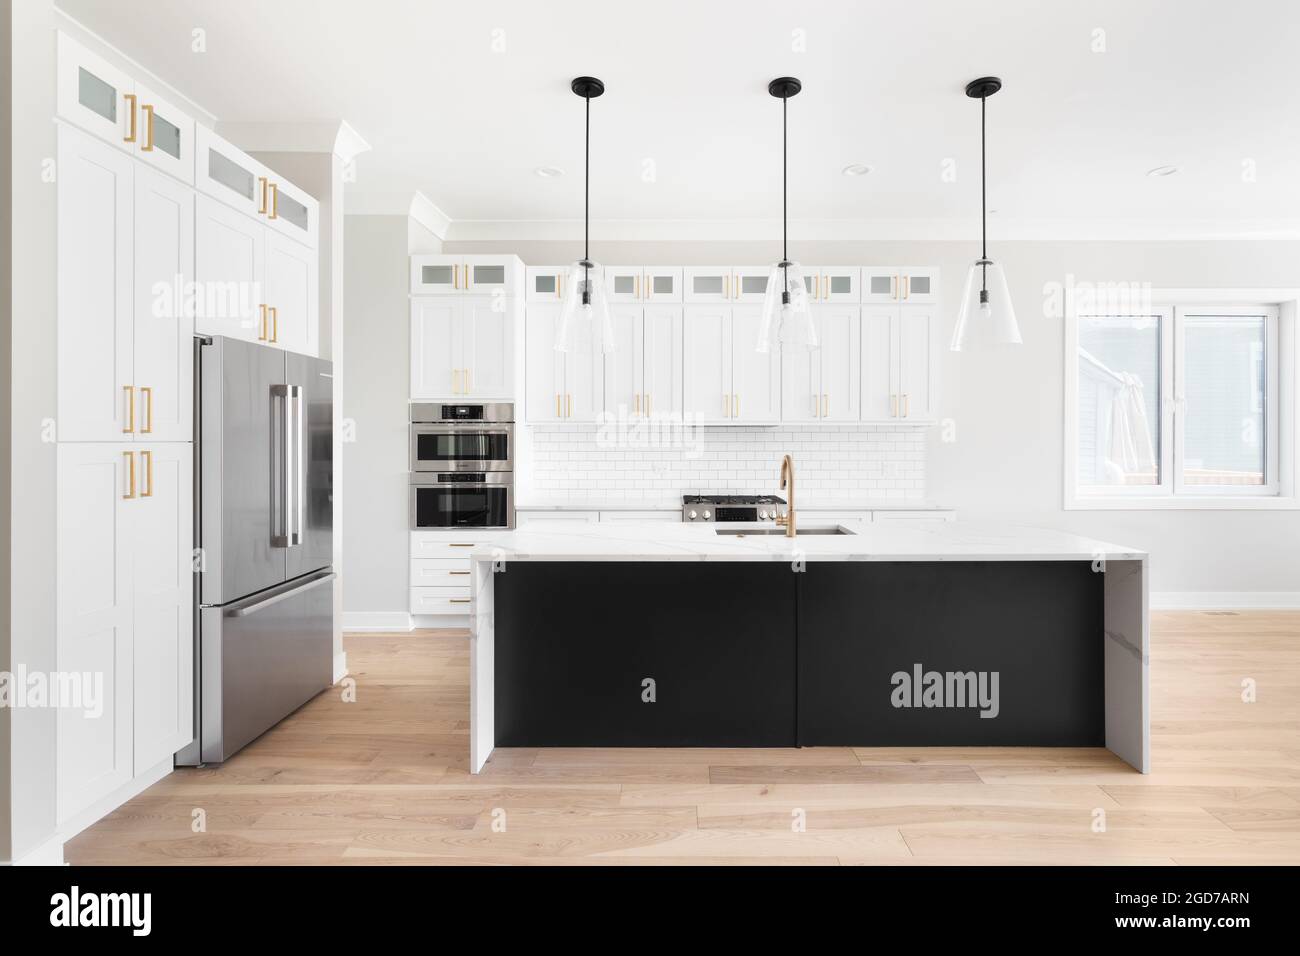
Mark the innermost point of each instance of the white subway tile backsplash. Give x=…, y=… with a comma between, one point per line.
x=844, y=462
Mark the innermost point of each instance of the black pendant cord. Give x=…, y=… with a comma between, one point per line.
x=983, y=198
x=586, y=211
x=785, y=201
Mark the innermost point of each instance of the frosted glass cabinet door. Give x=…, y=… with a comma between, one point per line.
x=94, y=95
x=96, y=241
x=436, y=275
x=661, y=285
x=881, y=285
x=545, y=283
x=164, y=324
x=165, y=137
x=226, y=173
x=919, y=286
x=291, y=211
x=229, y=271
x=707, y=284
x=624, y=284
x=489, y=275
x=749, y=284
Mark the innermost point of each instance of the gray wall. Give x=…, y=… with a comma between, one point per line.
x=376, y=341
x=1006, y=462
x=27, y=736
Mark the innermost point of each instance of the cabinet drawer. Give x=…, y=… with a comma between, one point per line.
x=445, y=546
x=440, y=601
x=440, y=574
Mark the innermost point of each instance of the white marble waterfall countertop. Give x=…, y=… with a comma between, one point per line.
x=892, y=541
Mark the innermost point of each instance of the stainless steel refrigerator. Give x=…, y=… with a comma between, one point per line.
x=264, y=625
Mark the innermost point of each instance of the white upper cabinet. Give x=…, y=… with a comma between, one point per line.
x=544, y=381
x=913, y=285
x=461, y=348
x=230, y=269
x=707, y=284
x=95, y=95
x=920, y=286
x=163, y=135
x=749, y=284
x=706, y=363
x=624, y=367
x=827, y=284
x=163, y=333
x=643, y=284
x=898, y=355
x=545, y=283
x=458, y=275
x=661, y=360
x=881, y=285
x=161, y=522
x=290, y=293
x=824, y=385
x=226, y=173
x=96, y=241
x=288, y=209
x=756, y=376
x=623, y=284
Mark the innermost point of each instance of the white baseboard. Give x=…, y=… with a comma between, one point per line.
x=49, y=853
x=376, y=621
x=1224, y=600
x=102, y=808
x=340, y=666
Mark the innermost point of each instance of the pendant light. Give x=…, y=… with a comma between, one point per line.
x=584, y=324
x=787, y=316
x=987, y=317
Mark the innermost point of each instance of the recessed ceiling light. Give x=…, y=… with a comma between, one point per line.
x=1162, y=171
x=856, y=169
x=549, y=172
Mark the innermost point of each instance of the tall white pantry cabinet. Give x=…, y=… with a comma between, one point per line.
x=141, y=243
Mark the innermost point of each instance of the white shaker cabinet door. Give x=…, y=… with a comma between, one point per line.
x=229, y=272
x=624, y=370
x=879, y=364
x=435, y=348
x=162, y=530
x=840, y=356
x=164, y=319
x=662, y=359
x=96, y=238
x=487, y=347
x=756, y=376
x=291, y=294
x=706, y=363
x=544, y=367
x=916, y=355
x=98, y=486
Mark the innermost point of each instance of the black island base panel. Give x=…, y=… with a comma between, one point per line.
x=746, y=654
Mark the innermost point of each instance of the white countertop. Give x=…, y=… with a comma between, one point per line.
x=675, y=504
x=888, y=541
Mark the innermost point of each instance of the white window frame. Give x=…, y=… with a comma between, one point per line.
x=1281, y=306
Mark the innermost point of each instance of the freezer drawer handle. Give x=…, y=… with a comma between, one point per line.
x=277, y=598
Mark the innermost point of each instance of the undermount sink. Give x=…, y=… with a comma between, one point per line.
x=741, y=533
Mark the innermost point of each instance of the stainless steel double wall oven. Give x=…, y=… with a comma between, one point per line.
x=462, y=466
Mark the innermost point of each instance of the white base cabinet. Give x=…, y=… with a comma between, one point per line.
x=125, y=612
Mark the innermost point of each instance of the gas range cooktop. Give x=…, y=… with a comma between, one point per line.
x=697, y=508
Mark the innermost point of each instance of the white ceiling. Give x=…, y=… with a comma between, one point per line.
x=1204, y=84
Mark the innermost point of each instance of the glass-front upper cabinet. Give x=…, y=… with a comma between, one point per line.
x=288, y=209
x=624, y=284
x=225, y=173
x=705, y=284
x=833, y=283
x=643, y=284
x=95, y=95
x=163, y=136
x=749, y=283
x=458, y=274
x=919, y=285
x=488, y=274
x=545, y=283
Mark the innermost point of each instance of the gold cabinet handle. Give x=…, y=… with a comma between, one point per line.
x=261, y=323
x=559, y=285
x=262, y=209
x=569, y=399
x=907, y=286
x=457, y=544
x=459, y=600
x=275, y=321
x=148, y=128
x=726, y=405
x=131, y=101
x=907, y=406
x=826, y=404
x=455, y=275
x=893, y=287
x=130, y=466
x=130, y=409
x=636, y=404
x=275, y=202
x=636, y=287
x=893, y=406
x=647, y=403
x=148, y=474
x=458, y=572
x=147, y=392
x=558, y=412
x=645, y=281
x=467, y=276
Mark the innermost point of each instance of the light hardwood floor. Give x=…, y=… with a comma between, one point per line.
x=385, y=780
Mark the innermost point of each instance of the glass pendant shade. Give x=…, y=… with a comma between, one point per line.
x=584, y=325
x=787, y=314
x=986, y=318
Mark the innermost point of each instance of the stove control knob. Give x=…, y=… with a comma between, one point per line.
x=762, y=515
x=691, y=515
x=707, y=515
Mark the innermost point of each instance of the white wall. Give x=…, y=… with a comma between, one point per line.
x=376, y=340
x=27, y=736
x=1006, y=462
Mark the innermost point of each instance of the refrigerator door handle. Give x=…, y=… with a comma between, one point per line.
x=248, y=609
x=280, y=533
x=300, y=480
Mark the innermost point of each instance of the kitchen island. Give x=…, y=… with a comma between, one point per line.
x=854, y=634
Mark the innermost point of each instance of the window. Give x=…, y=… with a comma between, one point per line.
x=1174, y=405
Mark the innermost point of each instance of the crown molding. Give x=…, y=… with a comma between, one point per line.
x=426, y=212
x=911, y=230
